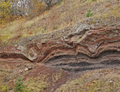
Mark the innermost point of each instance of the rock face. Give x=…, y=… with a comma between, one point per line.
x=82, y=40
x=91, y=43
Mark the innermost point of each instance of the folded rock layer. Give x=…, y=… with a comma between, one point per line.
x=86, y=40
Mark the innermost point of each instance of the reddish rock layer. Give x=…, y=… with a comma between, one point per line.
x=91, y=42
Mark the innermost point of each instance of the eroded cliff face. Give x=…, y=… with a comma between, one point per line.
x=83, y=42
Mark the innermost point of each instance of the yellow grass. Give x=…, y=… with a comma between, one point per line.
x=68, y=13
x=103, y=80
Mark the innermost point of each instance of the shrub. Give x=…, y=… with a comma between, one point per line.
x=39, y=7
x=55, y=27
x=19, y=87
x=89, y=13
x=59, y=2
x=4, y=11
x=43, y=31
x=45, y=28
x=48, y=3
x=4, y=88
x=35, y=32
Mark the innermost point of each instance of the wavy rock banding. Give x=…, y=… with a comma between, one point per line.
x=83, y=40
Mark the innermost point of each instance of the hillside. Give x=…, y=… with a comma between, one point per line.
x=66, y=13
x=73, y=47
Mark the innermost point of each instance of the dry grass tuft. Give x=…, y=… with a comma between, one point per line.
x=104, y=80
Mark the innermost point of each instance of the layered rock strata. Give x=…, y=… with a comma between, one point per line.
x=90, y=40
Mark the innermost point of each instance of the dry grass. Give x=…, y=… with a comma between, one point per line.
x=10, y=72
x=68, y=13
x=35, y=84
x=105, y=80
x=56, y=76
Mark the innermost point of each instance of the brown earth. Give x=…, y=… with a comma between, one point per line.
x=11, y=69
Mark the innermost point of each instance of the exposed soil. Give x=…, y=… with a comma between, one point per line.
x=16, y=67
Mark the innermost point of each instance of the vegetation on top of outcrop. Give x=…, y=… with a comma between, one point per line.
x=89, y=13
x=68, y=13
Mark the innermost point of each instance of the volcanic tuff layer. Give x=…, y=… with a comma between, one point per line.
x=84, y=40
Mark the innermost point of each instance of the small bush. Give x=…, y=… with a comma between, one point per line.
x=4, y=11
x=39, y=7
x=59, y=2
x=35, y=32
x=45, y=28
x=89, y=13
x=4, y=88
x=55, y=27
x=43, y=31
x=19, y=87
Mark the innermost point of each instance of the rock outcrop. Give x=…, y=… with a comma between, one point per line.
x=84, y=39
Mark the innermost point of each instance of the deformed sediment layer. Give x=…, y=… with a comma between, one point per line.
x=82, y=62
x=85, y=39
x=90, y=43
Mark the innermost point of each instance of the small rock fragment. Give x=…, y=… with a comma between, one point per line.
x=20, y=71
x=29, y=68
x=26, y=69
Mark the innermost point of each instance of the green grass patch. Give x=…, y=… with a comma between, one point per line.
x=89, y=14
